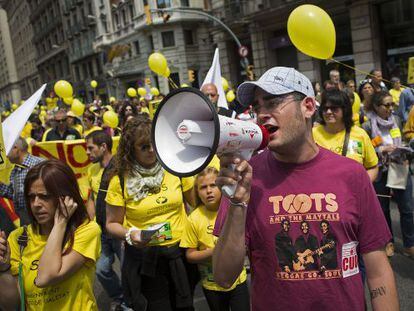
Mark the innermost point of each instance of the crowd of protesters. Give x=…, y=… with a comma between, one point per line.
x=50, y=261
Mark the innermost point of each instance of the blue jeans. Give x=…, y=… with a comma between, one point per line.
x=106, y=275
x=404, y=200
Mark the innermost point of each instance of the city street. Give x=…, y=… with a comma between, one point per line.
x=402, y=265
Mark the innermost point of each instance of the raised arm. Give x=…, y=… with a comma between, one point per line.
x=229, y=253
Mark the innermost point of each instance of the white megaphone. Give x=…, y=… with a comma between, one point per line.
x=187, y=132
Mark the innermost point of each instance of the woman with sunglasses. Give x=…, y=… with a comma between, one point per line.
x=384, y=129
x=338, y=134
x=142, y=195
x=50, y=264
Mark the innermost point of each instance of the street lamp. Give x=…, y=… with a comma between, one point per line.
x=245, y=61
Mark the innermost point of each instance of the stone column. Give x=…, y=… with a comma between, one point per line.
x=364, y=39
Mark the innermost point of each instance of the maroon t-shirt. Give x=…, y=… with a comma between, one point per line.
x=306, y=224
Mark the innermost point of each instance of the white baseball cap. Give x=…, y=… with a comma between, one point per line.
x=276, y=81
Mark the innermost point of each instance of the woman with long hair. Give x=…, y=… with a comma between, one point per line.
x=145, y=208
x=50, y=264
x=126, y=111
x=199, y=242
x=337, y=132
x=384, y=129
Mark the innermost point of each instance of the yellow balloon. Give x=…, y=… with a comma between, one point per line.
x=68, y=100
x=312, y=31
x=157, y=63
x=112, y=99
x=132, y=92
x=77, y=107
x=184, y=85
x=42, y=108
x=110, y=118
x=154, y=91
x=230, y=96
x=14, y=106
x=48, y=100
x=42, y=113
x=63, y=89
x=142, y=91
x=225, y=84
x=94, y=84
x=167, y=73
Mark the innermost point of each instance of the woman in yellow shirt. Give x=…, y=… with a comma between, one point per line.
x=50, y=264
x=199, y=241
x=142, y=195
x=337, y=132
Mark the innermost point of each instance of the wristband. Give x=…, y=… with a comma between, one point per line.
x=5, y=270
x=239, y=204
x=128, y=235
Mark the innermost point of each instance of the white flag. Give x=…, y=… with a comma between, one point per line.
x=14, y=124
x=214, y=76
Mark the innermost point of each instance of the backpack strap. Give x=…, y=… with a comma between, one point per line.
x=22, y=241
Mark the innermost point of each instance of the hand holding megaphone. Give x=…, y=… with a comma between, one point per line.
x=187, y=132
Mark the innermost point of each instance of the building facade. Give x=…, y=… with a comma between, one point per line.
x=369, y=34
x=21, y=32
x=9, y=86
x=50, y=41
x=128, y=38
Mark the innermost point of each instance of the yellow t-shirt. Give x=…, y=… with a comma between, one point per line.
x=74, y=293
x=215, y=162
x=78, y=127
x=92, y=129
x=94, y=178
x=360, y=147
x=356, y=106
x=396, y=95
x=199, y=234
x=165, y=206
x=26, y=132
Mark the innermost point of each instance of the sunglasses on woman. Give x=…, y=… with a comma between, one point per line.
x=333, y=109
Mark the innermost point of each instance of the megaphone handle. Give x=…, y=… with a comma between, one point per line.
x=229, y=190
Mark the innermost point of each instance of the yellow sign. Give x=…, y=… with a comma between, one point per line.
x=5, y=166
x=410, y=78
x=153, y=106
x=395, y=132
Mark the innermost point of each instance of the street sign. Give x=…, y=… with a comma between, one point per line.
x=243, y=51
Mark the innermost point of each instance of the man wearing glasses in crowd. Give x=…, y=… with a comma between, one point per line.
x=61, y=131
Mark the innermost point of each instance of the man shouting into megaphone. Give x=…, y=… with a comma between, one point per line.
x=296, y=180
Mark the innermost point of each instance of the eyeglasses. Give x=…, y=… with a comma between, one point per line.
x=273, y=104
x=365, y=81
x=333, y=109
x=61, y=120
x=42, y=196
x=388, y=105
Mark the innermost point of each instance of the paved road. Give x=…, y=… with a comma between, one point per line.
x=403, y=269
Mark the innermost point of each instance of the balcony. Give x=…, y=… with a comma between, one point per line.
x=102, y=42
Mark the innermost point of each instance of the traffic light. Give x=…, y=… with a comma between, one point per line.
x=147, y=12
x=191, y=76
x=250, y=73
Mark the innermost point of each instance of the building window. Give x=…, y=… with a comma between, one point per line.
x=185, y=3
x=162, y=4
x=90, y=66
x=124, y=19
x=176, y=78
x=131, y=12
x=188, y=37
x=136, y=45
x=168, y=38
x=77, y=73
x=98, y=66
x=117, y=25
x=151, y=42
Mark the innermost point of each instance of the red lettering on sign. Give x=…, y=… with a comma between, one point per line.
x=40, y=152
x=71, y=159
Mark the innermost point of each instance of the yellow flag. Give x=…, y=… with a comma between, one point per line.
x=5, y=166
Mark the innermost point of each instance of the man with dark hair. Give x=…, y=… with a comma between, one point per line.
x=284, y=247
x=305, y=246
x=297, y=180
x=61, y=131
x=99, y=151
x=376, y=76
x=328, y=254
x=15, y=190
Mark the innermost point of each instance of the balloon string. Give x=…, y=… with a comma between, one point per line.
x=172, y=83
x=361, y=71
